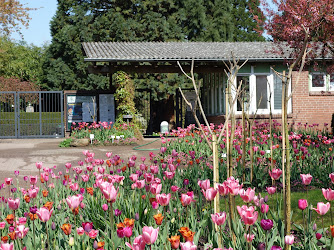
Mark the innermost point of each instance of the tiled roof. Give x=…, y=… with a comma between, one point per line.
x=178, y=51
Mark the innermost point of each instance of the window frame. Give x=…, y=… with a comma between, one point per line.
x=324, y=88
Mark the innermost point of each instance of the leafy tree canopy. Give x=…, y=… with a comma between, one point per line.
x=79, y=21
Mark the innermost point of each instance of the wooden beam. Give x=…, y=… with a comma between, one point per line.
x=106, y=69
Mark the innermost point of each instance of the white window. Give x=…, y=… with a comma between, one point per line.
x=259, y=92
x=319, y=81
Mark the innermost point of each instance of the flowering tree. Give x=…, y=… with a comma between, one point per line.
x=307, y=26
x=12, y=15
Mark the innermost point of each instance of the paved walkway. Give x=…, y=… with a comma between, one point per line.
x=22, y=154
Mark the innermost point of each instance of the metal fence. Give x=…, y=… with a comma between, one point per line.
x=31, y=114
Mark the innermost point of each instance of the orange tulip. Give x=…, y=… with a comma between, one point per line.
x=12, y=235
x=174, y=241
x=332, y=230
x=45, y=193
x=100, y=244
x=67, y=228
x=27, y=198
x=129, y=222
x=33, y=216
x=120, y=225
x=158, y=219
x=90, y=190
x=189, y=236
x=4, y=239
x=48, y=205
x=10, y=218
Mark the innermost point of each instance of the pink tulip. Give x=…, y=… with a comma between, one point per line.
x=169, y=175
x=302, y=204
x=74, y=186
x=8, y=181
x=264, y=208
x=306, y=178
x=74, y=201
x=44, y=214
x=219, y=218
x=186, y=199
x=275, y=174
x=271, y=190
x=85, y=177
x=7, y=246
x=134, y=177
x=322, y=208
x=331, y=176
x=328, y=194
x=222, y=189
x=109, y=191
x=249, y=237
x=247, y=195
x=2, y=224
x=163, y=199
x=33, y=179
x=154, y=169
x=127, y=232
x=105, y=207
x=150, y=234
x=174, y=188
x=289, y=239
x=155, y=188
x=80, y=231
x=68, y=165
x=210, y=193
x=188, y=246
x=33, y=192
x=21, y=231
x=205, y=184
x=93, y=233
x=248, y=214
x=13, y=204
x=39, y=165
x=233, y=185
x=138, y=243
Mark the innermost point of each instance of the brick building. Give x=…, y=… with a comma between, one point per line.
x=312, y=100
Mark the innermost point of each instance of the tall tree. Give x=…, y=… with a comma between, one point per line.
x=79, y=21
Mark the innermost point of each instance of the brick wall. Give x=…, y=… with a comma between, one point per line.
x=307, y=107
x=310, y=107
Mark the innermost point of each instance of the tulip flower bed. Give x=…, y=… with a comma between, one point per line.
x=106, y=133
x=164, y=202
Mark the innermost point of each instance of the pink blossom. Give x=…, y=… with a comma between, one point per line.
x=138, y=243
x=248, y=195
x=264, y=208
x=33, y=179
x=219, y=218
x=275, y=174
x=331, y=176
x=109, y=191
x=222, y=189
x=271, y=190
x=134, y=177
x=249, y=237
x=174, y=188
x=7, y=246
x=247, y=214
x=80, y=231
x=289, y=239
x=205, y=184
x=74, y=201
x=21, y=231
x=322, y=208
x=328, y=194
x=39, y=165
x=210, y=193
x=163, y=199
x=150, y=234
x=188, y=246
x=93, y=233
x=13, y=204
x=306, y=178
x=155, y=188
x=44, y=214
x=302, y=204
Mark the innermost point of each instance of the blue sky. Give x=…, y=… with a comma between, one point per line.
x=38, y=32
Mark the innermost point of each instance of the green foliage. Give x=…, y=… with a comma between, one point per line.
x=65, y=143
x=20, y=60
x=141, y=20
x=125, y=94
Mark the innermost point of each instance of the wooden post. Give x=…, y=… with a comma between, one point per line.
x=215, y=172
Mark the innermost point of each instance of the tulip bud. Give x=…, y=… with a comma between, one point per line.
x=71, y=241
x=53, y=226
x=95, y=246
x=318, y=236
x=289, y=239
x=145, y=211
x=105, y=207
x=173, y=220
x=137, y=216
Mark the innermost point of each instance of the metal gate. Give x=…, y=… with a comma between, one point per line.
x=31, y=114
